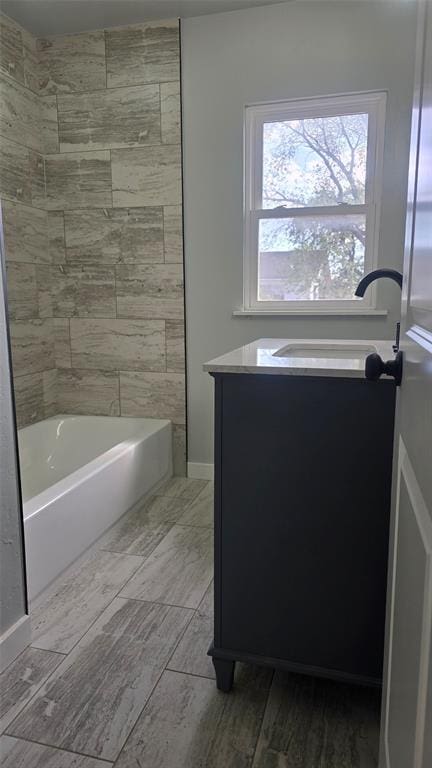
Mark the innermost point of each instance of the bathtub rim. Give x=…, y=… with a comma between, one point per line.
x=35, y=504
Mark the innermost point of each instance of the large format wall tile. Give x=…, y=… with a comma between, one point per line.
x=187, y=723
x=49, y=382
x=175, y=346
x=73, y=63
x=78, y=180
x=25, y=118
x=95, y=393
x=20, y=681
x=154, y=291
x=179, y=570
x=32, y=349
x=146, y=176
x=29, y=397
x=22, y=291
x=124, y=117
x=56, y=237
x=37, y=179
x=35, y=396
x=62, y=348
x=84, y=222
x=118, y=344
x=25, y=233
x=32, y=67
x=170, y=112
x=44, y=288
x=157, y=395
x=83, y=291
x=16, y=753
x=173, y=234
x=115, y=236
x=143, y=53
x=16, y=171
x=93, y=699
x=11, y=49
x=48, y=123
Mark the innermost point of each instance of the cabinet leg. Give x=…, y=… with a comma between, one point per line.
x=224, y=674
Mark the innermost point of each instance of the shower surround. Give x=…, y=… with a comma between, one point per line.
x=90, y=181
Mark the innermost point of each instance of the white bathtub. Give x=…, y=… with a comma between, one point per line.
x=79, y=474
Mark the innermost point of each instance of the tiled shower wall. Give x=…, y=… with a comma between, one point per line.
x=28, y=129
x=109, y=274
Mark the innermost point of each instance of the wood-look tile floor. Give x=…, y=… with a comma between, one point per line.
x=118, y=675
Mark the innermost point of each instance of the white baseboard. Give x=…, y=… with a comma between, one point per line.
x=200, y=471
x=14, y=641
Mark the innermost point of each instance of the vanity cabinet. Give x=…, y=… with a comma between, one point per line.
x=303, y=470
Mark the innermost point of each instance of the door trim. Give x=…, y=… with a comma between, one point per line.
x=424, y=524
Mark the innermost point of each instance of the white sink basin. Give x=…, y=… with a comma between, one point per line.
x=326, y=350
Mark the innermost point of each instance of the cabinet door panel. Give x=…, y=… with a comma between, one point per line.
x=304, y=503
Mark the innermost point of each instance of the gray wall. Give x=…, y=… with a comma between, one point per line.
x=263, y=54
x=12, y=590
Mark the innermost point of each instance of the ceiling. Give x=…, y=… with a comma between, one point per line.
x=52, y=17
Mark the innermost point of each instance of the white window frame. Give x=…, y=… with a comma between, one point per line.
x=372, y=103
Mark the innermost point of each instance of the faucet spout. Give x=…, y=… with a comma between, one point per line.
x=393, y=274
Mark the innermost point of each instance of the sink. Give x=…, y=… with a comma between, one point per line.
x=326, y=350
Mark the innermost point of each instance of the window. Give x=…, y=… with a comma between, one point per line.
x=312, y=190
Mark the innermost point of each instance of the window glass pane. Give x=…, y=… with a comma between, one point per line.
x=315, y=161
x=310, y=259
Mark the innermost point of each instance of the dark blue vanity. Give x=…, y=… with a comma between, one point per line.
x=303, y=466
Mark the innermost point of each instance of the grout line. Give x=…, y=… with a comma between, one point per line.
x=160, y=114
x=47, y=650
x=154, y=687
x=28, y=702
x=105, y=58
x=108, y=88
x=158, y=602
x=58, y=749
x=123, y=148
x=262, y=720
x=58, y=127
x=190, y=674
x=92, y=623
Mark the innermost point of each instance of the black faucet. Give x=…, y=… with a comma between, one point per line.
x=393, y=274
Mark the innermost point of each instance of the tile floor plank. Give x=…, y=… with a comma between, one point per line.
x=313, y=722
x=144, y=526
x=78, y=598
x=200, y=510
x=206, y=606
x=178, y=571
x=190, y=656
x=15, y=753
x=182, y=487
x=188, y=723
x=21, y=679
x=94, y=697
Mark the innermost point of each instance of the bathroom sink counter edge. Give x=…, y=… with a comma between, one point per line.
x=268, y=356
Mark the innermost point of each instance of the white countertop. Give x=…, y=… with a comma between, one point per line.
x=258, y=357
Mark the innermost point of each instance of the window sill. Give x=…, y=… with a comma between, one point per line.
x=310, y=312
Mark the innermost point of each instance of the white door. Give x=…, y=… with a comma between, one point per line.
x=406, y=734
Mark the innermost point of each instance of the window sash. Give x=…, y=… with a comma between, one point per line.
x=251, y=300
x=372, y=104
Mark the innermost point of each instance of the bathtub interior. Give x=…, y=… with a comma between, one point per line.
x=54, y=448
